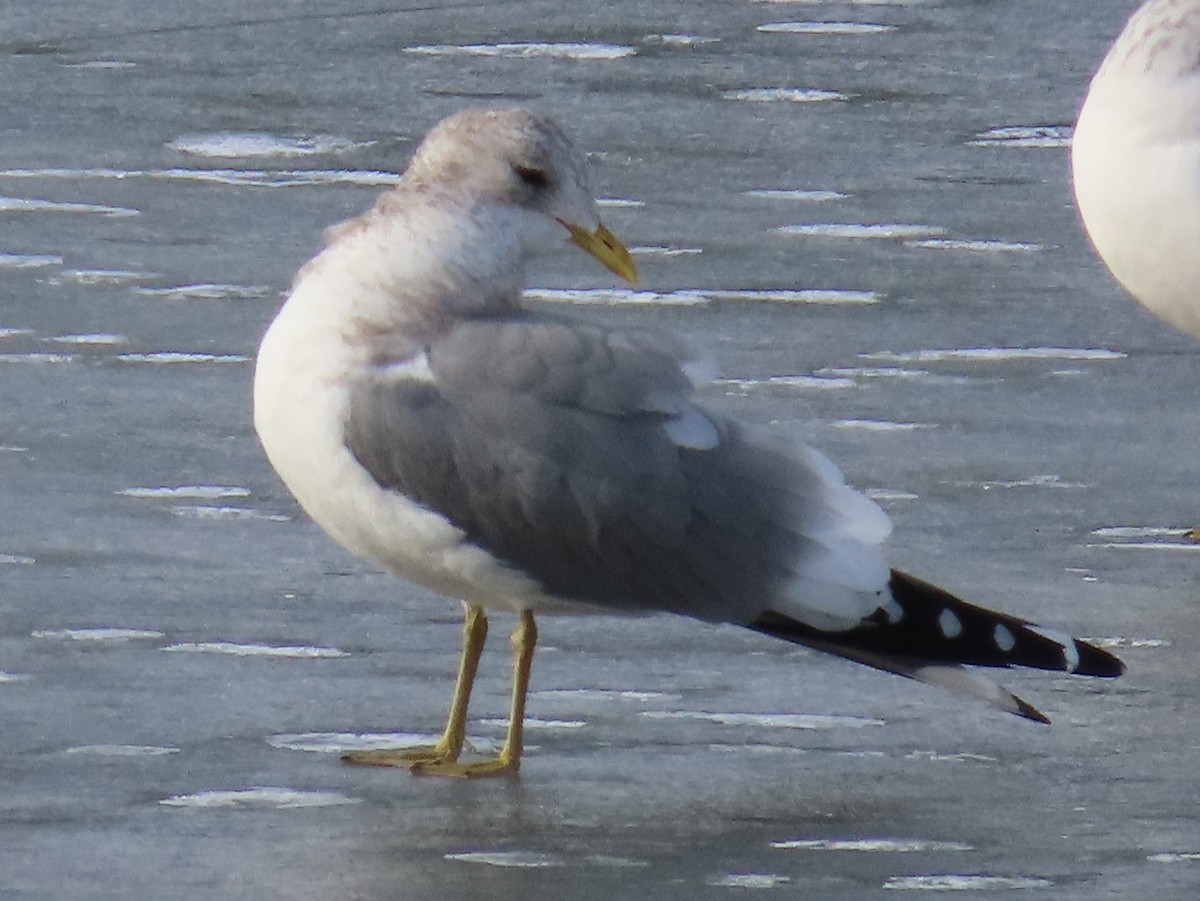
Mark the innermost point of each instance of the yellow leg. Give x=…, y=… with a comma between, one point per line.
x=508, y=762
x=449, y=746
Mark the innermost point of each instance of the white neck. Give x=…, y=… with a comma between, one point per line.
x=391, y=269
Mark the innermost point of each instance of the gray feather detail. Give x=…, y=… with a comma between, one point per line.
x=566, y=363
x=545, y=442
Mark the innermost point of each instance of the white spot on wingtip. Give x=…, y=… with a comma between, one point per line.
x=1065, y=641
x=949, y=624
x=1004, y=638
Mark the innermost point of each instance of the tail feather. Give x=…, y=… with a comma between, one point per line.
x=936, y=625
x=929, y=633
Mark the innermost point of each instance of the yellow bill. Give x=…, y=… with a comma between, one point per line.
x=607, y=248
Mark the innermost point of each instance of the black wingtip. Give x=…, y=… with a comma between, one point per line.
x=1094, y=661
x=980, y=633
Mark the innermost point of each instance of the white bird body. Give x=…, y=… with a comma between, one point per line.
x=364, y=307
x=525, y=462
x=1136, y=160
x=314, y=350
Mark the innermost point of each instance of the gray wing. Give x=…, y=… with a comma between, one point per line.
x=577, y=455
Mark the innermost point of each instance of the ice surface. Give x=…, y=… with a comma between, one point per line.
x=767, y=720
x=966, y=883
x=885, y=230
x=205, y=492
x=528, y=50
x=238, y=649
x=98, y=634
x=1060, y=498
x=279, y=798
x=870, y=845
x=748, y=880
x=260, y=144
x=820, y=28
x=1024, y=136
x=785, y=95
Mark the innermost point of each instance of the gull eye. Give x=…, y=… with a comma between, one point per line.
x=532, y=176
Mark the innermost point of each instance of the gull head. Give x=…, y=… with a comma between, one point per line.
x=524, y=162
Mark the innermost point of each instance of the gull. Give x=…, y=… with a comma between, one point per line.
x=529, y=463
x=1135, y=160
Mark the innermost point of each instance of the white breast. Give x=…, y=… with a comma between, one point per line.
x=301, y=393
x=1136, y=162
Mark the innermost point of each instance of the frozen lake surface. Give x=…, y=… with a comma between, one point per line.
x=862, y=208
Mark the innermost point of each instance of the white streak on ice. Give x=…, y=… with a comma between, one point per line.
x=235, y=649
x=264, y=796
